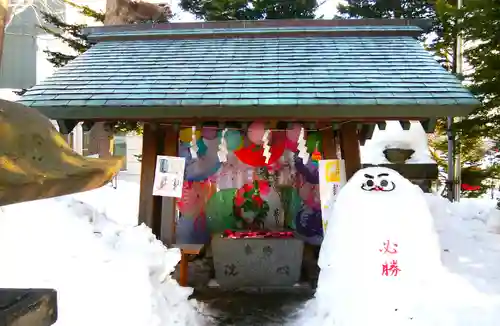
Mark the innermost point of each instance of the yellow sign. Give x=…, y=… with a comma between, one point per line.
x=332, y=171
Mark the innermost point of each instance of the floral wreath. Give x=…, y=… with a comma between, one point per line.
x=251, y=208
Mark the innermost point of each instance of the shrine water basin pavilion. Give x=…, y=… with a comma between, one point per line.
x=348, y=74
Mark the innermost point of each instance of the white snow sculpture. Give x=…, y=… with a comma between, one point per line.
x=380, y=252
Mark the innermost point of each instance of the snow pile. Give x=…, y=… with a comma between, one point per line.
x=395, y=137
x=470, y=241
x=105, y=273
x=463, y=290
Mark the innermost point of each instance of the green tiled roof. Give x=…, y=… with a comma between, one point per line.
x=293, y=76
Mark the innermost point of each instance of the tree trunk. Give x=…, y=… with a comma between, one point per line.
x=4, y=9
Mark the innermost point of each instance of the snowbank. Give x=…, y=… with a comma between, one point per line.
x=469, y=291
x=106, y=273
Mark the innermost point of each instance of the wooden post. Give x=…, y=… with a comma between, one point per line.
x=168, y=210
x=349, y=147
x=329, y=144
x=149, y=205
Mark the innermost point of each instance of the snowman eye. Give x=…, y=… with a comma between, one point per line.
x=384, y=183
x=370, y=183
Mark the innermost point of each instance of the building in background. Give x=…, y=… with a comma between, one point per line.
x=24, y=64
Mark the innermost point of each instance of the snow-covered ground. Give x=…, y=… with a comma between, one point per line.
x=106, y=270
x=109, y=272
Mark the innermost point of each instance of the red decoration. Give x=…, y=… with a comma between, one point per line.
x=253, y=154
x=316, y=155
x=259, y=234
x=467, y=187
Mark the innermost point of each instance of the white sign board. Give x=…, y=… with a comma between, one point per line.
x=169, y=176
x=331, y=178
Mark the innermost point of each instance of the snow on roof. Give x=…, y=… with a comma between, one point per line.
x=395, y=137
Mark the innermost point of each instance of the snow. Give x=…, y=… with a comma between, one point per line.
x=395, y=137
x=447, y=252
x=108, y=271
x=105, y=272
x=8, y=94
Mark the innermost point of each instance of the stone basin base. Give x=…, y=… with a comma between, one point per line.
x=257, y=262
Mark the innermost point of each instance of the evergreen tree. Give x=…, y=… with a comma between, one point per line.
x=72, y=35
x=437, y=27
x=479, y=25
x=250, y=9
x=480, y=28
x=441, y=37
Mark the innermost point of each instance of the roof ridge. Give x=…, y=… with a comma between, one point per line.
x=102, y=34
x=247, y=26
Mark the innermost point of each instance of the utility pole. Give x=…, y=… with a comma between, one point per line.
x=450, y=182
x=454, y=164
x=458, y=71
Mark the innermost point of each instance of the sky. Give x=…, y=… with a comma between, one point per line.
x=327, y=9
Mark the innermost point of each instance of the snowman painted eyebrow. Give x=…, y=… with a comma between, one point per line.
x=383, y=175
x=368, y=176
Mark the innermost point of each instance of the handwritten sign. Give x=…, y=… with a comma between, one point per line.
x=331, y=178
x=169, y=176
x=390, y=268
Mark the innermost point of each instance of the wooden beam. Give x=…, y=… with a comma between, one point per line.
x=405, y=124
x=168, y=211
x=152, y=143
x=429, y=125
x=66, y=126
x=349, y=147
x=365, y=132
x=381, y=125
x=329, y=145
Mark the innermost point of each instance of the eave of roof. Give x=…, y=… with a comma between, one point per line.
x=302, y=110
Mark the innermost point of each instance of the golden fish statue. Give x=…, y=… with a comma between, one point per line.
x=36, y=162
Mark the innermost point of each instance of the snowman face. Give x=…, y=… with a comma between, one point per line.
x=381, y=182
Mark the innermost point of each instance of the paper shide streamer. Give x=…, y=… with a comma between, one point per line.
x=301, y=145
x=222, y=153
x=194, y=148
x=265, y=146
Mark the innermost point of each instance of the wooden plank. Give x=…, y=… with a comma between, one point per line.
x=350, y=148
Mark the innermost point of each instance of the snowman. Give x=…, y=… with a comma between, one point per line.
x=380, y=254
